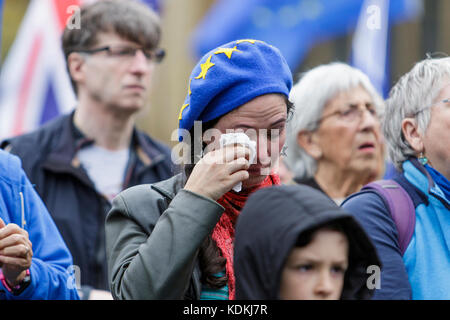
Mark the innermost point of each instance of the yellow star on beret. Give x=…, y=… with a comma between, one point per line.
x=246, y=40
x=228, y=51
x=205, y=67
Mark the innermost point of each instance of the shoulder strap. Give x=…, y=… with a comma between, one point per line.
x=400, y=206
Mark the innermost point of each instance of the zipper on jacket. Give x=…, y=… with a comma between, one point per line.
x=22, y=210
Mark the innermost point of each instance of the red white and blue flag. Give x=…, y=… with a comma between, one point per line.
x=34, y=83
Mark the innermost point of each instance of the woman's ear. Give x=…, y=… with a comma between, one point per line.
x=308, y=141
x=410, y=130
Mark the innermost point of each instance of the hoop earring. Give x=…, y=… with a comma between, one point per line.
x=423, y=159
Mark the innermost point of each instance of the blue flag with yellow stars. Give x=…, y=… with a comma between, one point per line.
x=293, y=26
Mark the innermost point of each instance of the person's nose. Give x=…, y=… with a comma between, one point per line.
x=139, y=65
x=263, y=151
x=368, y=121
x=324, y=285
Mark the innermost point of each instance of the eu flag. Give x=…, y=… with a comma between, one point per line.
x=294, y=26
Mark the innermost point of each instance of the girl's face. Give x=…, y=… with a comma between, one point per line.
x=316, y=271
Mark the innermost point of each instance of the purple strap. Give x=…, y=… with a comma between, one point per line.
x=401, y=208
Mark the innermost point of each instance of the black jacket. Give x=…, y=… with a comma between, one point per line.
x=268, y=228
x=79, y=211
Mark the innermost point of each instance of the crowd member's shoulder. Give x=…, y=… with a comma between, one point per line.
x=372, y=211
x=364, y=199
x=10, y=168
x=154, y=147
x=153, y=142
x=40, y=141
x=139, y=200
x=369, y=208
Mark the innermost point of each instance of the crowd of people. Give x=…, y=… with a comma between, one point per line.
x=299, y=204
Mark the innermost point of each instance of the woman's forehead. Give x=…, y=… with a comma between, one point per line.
x=248, y=120
x=261, y=109
x=354, y=95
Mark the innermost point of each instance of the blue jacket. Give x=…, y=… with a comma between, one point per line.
x=423, y=272
x=20, y=204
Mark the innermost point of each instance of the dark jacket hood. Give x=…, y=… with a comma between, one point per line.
x=268, y=228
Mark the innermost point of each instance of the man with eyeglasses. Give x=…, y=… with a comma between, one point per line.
x=80, y=161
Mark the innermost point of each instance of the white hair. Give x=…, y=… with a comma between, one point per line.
x=310, y=96
x=412, y=96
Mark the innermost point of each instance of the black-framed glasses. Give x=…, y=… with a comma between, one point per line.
x=124, y=51
x=350, y=114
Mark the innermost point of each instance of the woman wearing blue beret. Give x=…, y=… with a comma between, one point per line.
x=174, y=239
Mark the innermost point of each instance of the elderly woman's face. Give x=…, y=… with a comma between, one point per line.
x=263, y=119
x=435, y=140
x=349, y=140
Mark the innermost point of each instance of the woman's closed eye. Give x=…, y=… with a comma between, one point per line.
x=275, y=132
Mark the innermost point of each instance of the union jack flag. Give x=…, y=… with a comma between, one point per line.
x=34, y=83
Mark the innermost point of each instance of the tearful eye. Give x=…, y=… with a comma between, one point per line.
x=275, y=133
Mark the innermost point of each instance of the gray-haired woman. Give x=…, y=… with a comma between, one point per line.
x=333, y=141
x=417, y=129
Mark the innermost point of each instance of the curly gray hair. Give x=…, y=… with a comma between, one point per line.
x=410, y=98
x=310, y=96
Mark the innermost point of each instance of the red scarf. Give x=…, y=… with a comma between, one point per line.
x=223, y=233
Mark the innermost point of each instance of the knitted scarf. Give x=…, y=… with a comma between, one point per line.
x=223, y=233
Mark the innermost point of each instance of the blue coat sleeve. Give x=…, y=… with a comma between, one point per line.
x=51, y=278
x=371, y=212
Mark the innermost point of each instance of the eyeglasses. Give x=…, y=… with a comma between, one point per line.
x=127, y=52
x=350, y=114
x=446, y=101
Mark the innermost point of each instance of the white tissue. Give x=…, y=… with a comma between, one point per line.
x=242, y=139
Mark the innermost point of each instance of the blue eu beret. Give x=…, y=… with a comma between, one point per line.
x=230, y=76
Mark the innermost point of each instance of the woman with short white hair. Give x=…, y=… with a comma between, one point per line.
x=334, y=142
x=416, y=126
